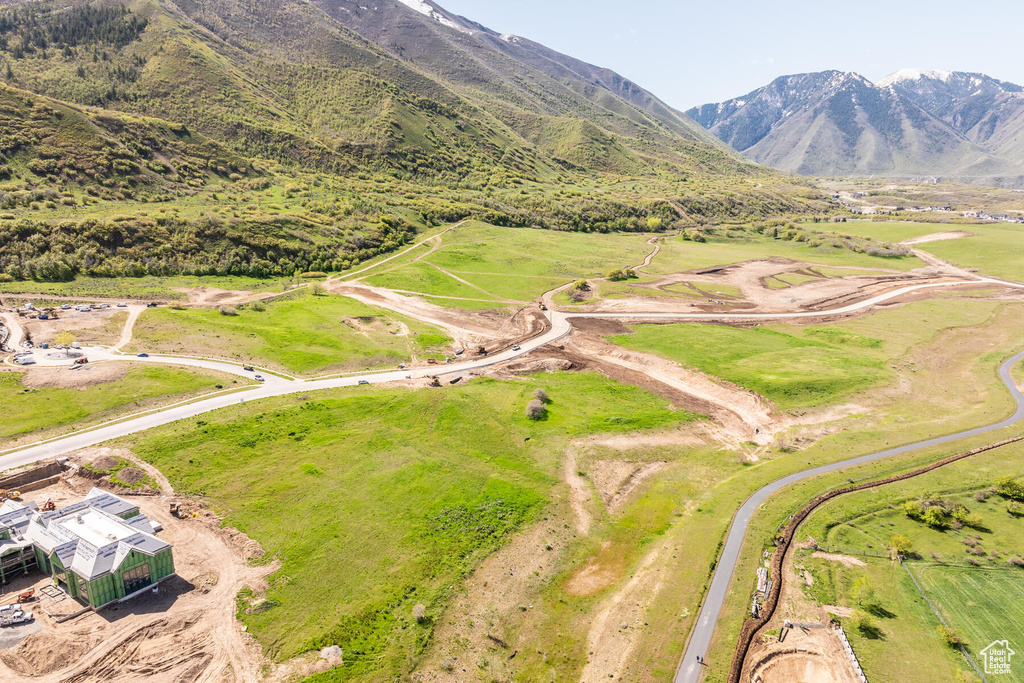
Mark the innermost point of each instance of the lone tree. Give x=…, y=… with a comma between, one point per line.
x=65, y=339
x=541, y=395
x=535, y=409
x=901, y=544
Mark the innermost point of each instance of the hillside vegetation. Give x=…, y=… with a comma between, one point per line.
x=264, y=138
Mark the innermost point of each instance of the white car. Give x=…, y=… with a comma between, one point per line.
x=122, y=305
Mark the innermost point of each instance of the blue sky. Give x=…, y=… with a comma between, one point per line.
x=690, y=53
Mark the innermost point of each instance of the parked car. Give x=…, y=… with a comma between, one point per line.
x=122, y=305
x=143, y=355
x=152, y=304
x=65, y=307
x=363, y=381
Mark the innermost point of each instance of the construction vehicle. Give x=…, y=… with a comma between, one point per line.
x=81, y=361
x=175, y=510
x=9, y=494
x=481, y=351
x=49, y=506
x=435, y=382
x=543, y=307
x=27, y=596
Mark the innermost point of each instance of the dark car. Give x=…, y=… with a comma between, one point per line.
x=248, y=368
x=363, y=381
x=143, y=355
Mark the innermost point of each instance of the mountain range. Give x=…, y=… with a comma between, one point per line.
x=944, y=125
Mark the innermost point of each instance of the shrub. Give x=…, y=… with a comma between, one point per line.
x=541, y=395
x=951, y=636
x=901, y=544
x=1016, y=561
x=313, y=275
x=259, y=306
x=228, y=310
x=419, y=613
x=536, y=409
x=981, y=496
x=176, y=306
x=1014, y=508
x=1008, y=487
x=319, y=290
x=6, y=277
x=913, y=509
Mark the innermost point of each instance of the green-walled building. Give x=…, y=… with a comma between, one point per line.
x=100, y=550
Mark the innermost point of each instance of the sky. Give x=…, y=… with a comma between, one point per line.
x=689, y=53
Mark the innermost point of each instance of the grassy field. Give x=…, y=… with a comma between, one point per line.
x=995, y=249
x=984, y=606
x=300, y=333
x=377, y=500
x=37, y=411
x=963, y=569
x=149, y=287
x=517, y=264
x=798, y=367
x=678, y=255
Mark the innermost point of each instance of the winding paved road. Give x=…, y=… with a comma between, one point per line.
x=689, y=669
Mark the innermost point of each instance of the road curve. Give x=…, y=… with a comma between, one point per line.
x=689, y=669
x=560, y=326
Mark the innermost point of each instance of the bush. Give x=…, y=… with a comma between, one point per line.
x=176, y=306
x=951, y=636
x=419, y=613
x=6, y=277
x=1008, y=487
x=313, y=275
x=1016, y=561
x=901, y=544
x=541, y=395
x=1014, y=508
x=536, y=409
x=319, y=290
x=228, y=310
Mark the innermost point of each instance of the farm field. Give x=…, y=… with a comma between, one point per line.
x=516, y=264
x=39, y=411
x=300, y=333
x=678, y=254
x=802, y=366
x=984, y=606
x=965, y=571
x=412, y=489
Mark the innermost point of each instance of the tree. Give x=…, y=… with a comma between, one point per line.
x=65, y=339
x=1008, y=487
x=914, y=509
x=541, y=395
x=937, y=517
x=862, y=590
x=901, y=544
x=319, y=290
x=536, y=409
x=951, y=636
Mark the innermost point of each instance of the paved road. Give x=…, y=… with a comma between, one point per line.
x=278, y=386
x=689, y=670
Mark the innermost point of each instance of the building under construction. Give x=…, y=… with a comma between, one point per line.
x=100, y=550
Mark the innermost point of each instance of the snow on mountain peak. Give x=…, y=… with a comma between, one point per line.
x=428, y=11
x=914, y=75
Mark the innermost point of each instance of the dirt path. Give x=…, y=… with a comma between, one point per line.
x=16, y=331
x=399, y=254
x=937, y=237
x=579, y=493
x=129, y=327
x=945, y=266
x=743, y=415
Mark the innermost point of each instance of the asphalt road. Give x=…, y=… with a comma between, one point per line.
x=689, y=669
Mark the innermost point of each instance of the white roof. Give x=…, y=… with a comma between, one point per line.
x=95, y=528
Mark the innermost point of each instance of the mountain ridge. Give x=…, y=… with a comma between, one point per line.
x=913, y=123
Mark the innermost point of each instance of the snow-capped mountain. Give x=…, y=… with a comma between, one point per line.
x=964, y=126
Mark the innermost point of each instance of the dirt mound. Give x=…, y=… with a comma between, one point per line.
x=248, y=548
x=616, y=480
x=142, y=655
x=105, y=462
x=46, y=652
x=131, y=475
x=796, y=667
x=534, y=367
x=66, y=378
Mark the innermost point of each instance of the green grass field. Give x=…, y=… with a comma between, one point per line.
x=377, y=500
x=678, y=255
x=149, y=287
x=31, y=411
x=300, y=333
x=984, y=606
x=517, y=264
x=797, y=366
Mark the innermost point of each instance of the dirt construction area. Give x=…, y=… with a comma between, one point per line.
x=184, y=631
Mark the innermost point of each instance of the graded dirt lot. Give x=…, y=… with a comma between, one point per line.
x=184, y=632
